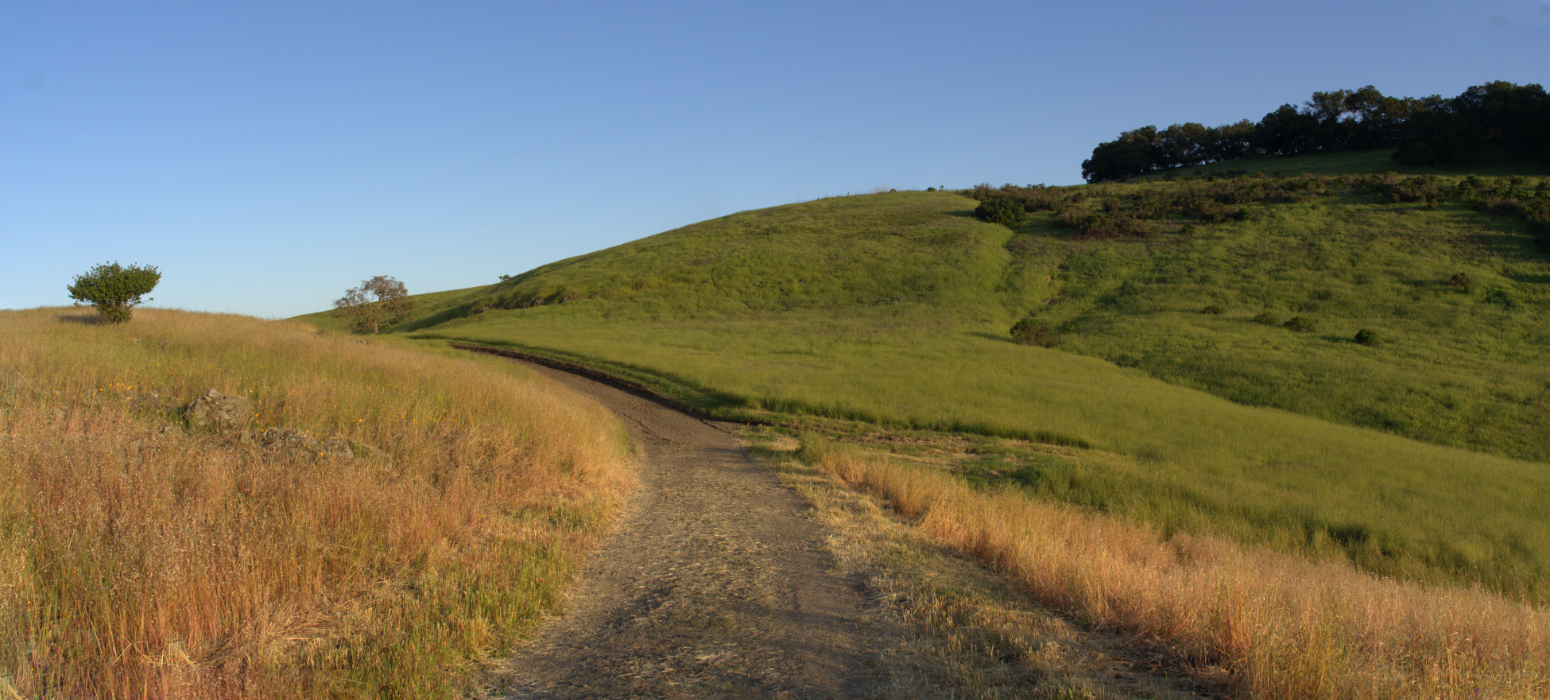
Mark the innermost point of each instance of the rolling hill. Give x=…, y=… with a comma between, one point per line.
x=1175, y=392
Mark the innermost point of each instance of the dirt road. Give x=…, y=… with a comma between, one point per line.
x=714, y=584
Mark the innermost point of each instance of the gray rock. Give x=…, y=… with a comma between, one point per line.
x=337, y=447
x=289, y=440
x=219, y=411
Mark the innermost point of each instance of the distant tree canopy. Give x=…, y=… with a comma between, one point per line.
x=1426, y=131
x=377, y=302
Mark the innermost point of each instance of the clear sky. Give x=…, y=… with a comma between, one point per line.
x=268, y=155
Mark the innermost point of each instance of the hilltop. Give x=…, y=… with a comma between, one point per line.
x=1464, y=351
x=1173, y=390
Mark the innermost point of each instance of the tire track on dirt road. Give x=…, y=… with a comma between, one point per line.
x=714, y=582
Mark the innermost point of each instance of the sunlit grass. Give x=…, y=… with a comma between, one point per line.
x=1179, y=458
x=1283, y=627
x=141, y=560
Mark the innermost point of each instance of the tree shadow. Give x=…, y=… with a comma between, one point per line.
x=991, y=336
x=89, y=318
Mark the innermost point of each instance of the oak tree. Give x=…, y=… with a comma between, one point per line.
x=377, y=302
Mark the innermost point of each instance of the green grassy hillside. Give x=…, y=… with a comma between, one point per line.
x=1423, y=454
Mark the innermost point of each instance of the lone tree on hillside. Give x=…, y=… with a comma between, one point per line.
x=377, y=302
x=114, y=290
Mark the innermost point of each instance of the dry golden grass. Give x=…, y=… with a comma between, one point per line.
x=139, y=560
x=948, y=628
x=1282, y=626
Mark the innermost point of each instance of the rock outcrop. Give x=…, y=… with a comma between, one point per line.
x=282, y=440
x=218, y=411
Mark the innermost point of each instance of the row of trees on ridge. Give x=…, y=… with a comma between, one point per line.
x=1430, y=131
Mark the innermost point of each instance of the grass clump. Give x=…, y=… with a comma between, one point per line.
x=139, y=559
x=1300, y=324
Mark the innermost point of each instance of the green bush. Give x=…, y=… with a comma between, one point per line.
x=1266, y=318
x=1299, y=324
x=1212, y=310
x=1001, y=210
x=1367, y=337
x=1460, y=281
x=114, y=290
x=1030, y=332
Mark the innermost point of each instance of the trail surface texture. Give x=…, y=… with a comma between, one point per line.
x=714, y=583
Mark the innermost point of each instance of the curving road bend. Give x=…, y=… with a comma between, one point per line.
x=713, y=584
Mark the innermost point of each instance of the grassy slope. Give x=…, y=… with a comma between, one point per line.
x=1455, y=367
x=142, y=559
x=894, y=307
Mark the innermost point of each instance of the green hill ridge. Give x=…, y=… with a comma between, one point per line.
x=1423, y=454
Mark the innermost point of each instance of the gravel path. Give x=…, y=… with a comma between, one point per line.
x=713, y=584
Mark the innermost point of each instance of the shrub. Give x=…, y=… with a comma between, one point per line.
x=1001, y=210
x=1030, y=332
x=114, y=290
x=1501, y=296
x=1367, y=337
x=1299, y=324
x=1212, y=310
x=1460, y=281
x=1266, y=318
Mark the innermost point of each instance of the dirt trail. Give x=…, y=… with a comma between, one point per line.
x=714, y=584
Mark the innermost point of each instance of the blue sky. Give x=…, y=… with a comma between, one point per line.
x=267, y=156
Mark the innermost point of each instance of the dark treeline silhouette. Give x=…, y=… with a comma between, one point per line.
x=1424, y=131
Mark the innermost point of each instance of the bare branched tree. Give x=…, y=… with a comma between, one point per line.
x=377, y=302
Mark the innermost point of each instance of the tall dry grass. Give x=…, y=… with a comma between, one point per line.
x=1284, y=627
x=139, y=559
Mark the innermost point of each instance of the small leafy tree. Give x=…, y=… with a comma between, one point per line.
x=377, y=302
x=114, y=290
x=1367, y=336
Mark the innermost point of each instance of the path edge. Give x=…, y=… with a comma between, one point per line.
x=590, y=372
